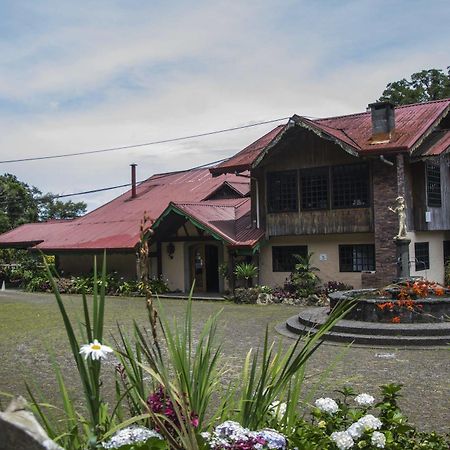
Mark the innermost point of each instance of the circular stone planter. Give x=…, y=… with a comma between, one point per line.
x=369, y=307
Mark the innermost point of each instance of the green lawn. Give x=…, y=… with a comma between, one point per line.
x=31, y=329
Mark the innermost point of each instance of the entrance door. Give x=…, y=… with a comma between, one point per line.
x=204, y=267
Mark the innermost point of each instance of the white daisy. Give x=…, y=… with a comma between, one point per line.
x=95, y=350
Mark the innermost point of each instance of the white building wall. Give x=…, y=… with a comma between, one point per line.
x=173, y=269
x=325, y=245
x=435, y=240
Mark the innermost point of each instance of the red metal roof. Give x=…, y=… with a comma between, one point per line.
x=230, y=220
x=115, y=225
x=353, y=132
x=411, y=124
x=438, y=143
x=242, y=160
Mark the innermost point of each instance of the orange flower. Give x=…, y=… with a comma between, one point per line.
x=438, y=290
x=395, y=319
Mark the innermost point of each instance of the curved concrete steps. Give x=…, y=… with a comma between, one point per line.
x=371, y=333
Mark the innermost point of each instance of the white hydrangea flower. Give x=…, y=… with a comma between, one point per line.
x=378, y=439
x=130, y=435
x=342, y=439
x=370, y=422
x=327, y=405
x=277, y=409
x=364, y=400
x=275, y=440
x=95, y=350
x=355, y=430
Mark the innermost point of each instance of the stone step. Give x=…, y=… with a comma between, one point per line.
x=294, y=326
x=312, y=317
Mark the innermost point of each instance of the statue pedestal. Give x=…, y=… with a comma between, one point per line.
x=402, y=245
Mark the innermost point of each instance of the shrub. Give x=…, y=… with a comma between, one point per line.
x=359, y=422
x=246, y=271
x=303, y=278
x=334, y=286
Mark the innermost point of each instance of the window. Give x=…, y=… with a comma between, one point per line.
x=434, y=185
x=422, y=252
x=446, y=251
x=283, y=257
x=314, y=189
x=356, y=258
x=282, y=191
x=350, y=186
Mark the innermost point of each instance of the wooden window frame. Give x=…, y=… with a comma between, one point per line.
x=283, y=259
x=356, y=257
x=312, y=190
x=433, y=183
x=422, y=255
x=353, y=191
x=285, y=197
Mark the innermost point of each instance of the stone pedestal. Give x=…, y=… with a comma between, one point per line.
x=402, y=245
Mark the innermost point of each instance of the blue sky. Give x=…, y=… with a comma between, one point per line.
x=84, y=75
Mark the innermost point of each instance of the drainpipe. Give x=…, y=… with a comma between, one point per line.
x=133, y=180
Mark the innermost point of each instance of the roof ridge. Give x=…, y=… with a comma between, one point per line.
x=442, y=100
x=203, y=203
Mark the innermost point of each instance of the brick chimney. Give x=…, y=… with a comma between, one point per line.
x=133, y=180
x=383, y=122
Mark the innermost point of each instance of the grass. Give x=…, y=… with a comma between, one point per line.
x=31, y=326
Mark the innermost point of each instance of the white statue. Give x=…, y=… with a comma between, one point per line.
x=400, y=209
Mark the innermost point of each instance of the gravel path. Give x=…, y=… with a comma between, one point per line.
x=31, y=328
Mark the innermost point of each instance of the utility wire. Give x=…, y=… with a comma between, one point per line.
x=4, y=202
x=126, y=147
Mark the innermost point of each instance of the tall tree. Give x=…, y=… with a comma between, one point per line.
x=426, y=85
x=21, y=203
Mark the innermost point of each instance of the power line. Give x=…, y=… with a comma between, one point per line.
x=126, y=147
x=4, y=202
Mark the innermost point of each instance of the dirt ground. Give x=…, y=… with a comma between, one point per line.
x=32, y=334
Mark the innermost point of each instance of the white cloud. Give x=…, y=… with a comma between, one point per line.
x=107, y=74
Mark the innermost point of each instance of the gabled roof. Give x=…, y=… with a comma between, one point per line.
x=115, y=225
x=226, y=220
x=413, y=123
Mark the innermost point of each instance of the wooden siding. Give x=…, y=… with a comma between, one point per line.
x=302, y=150
x=320, y=222
x=440, y=217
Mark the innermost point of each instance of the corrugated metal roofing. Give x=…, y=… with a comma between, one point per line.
x=353, y=132
x=437, y=144
x=115, y=225
x=242, y=160
x=231, y=221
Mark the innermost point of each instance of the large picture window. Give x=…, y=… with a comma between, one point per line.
x=356, y=258
x=350, y=186
x=434, y=198
x=283, y=259
x=314, y=188
x=282, y=191
x=422, y=255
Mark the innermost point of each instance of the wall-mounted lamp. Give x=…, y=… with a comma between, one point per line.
x=170, y=249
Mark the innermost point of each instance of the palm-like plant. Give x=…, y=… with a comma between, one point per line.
x=246, y=271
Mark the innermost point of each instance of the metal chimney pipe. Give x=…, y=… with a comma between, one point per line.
x=133, y=180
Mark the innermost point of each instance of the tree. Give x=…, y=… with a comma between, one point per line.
x=21, y=203
x=18, y=203
x=51, y=208
x=426, y=85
